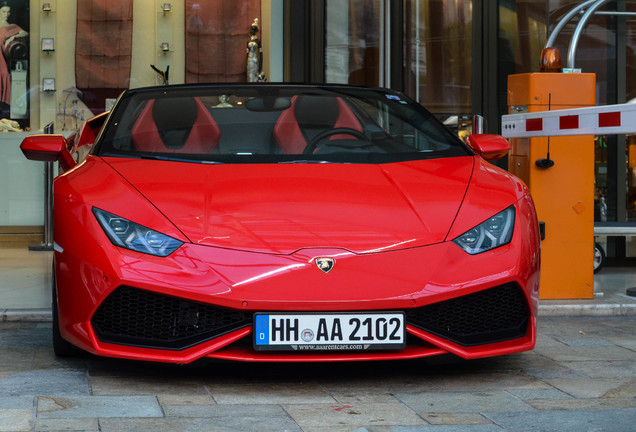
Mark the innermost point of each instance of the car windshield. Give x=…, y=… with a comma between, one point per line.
x=267, y=123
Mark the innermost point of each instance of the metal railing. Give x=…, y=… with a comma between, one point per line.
x=587, y=9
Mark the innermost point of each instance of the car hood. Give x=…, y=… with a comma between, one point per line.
x=282, y=208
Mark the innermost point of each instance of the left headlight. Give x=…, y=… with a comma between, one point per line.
x=495, y=232
x=129, y=235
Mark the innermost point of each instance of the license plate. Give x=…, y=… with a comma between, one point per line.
x=329, y=331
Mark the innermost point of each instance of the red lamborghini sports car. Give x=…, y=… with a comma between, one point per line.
x=274, y=222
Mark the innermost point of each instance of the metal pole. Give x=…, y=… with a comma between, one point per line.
x=47, y=245
x=478, y=124
x=48, y=205
x=562, y=23
x=611, y=13
x=579, y=30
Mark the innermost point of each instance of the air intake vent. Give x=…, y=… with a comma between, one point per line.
x=488, y=316
x=132, y=316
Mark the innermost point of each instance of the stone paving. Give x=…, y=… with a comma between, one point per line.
x=581, y=377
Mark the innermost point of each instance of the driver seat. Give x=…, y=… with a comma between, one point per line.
x=308, y=116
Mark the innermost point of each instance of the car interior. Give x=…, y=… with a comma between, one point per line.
x=186, y=125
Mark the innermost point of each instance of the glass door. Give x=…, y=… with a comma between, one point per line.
x=438, y=44
x=354, y=48
x=435, y=51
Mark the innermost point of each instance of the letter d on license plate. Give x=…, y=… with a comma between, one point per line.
x=329, y=331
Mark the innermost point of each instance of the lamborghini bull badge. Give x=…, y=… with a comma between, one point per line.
x=325, y=264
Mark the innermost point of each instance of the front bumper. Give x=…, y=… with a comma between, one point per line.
x=156, y=322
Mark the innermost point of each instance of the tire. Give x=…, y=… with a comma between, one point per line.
x=61, y=347
x=599, y=257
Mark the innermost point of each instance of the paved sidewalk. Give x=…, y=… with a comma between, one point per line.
x=581, y=377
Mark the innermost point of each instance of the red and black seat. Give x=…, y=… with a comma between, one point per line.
x=175, y=125
x=308, y=116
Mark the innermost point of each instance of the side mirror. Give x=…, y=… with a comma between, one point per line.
x=489, y=146
x=48, y=148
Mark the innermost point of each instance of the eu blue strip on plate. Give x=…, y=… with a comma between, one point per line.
x=262, y=329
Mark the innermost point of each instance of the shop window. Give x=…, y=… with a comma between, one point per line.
x=522, y=36
x=631, y=178
x=438, y=54
x=630, y=77
x=14, y=64
x=216, y=39
x=103, y=50
x=352, y=42
x=601, y=209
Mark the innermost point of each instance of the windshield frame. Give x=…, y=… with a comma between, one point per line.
x=402, y=106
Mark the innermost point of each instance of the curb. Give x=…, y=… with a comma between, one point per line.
x=554, y=310
x=25, y=315
x=598, y=310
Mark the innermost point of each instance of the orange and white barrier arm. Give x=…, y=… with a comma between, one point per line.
x=598, y=120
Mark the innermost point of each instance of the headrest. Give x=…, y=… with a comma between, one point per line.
x=174, y=118
x=174, y=113
x=316, y=111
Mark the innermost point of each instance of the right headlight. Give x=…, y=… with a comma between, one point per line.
x=495, y=232
x=129, y=235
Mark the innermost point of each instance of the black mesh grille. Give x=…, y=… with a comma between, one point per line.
x=133, y=316
x=488, y=316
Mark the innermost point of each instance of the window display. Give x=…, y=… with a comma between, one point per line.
x=14, y=40
x=103, y=50
x=216, y=34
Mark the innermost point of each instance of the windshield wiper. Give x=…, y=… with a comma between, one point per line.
x=176, y=159
x=306, y=161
